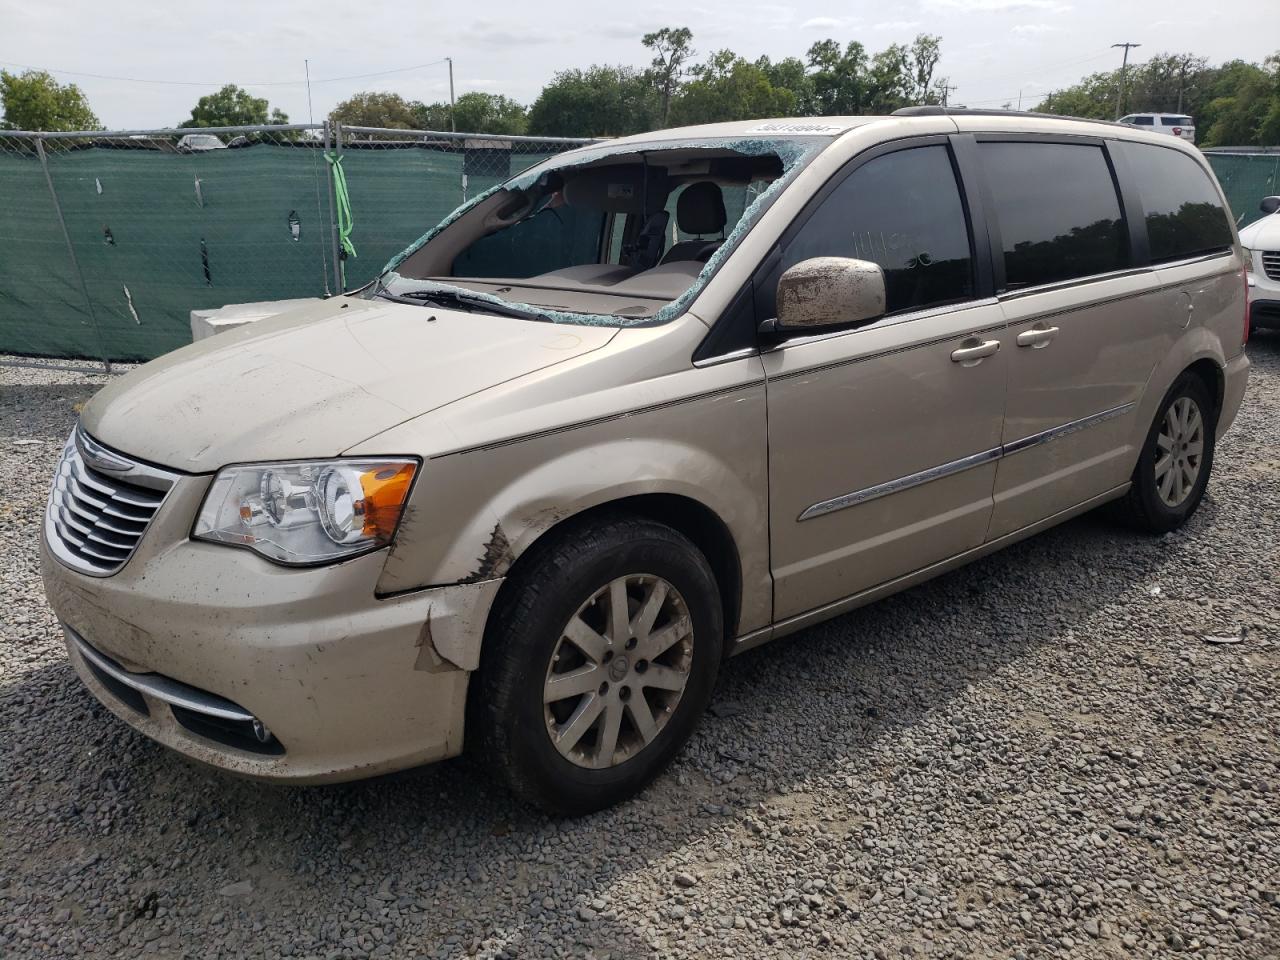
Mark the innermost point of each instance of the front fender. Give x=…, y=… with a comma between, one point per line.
x=474, y=513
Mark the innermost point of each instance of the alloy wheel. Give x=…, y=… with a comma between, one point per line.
x=1179, y=451
x=618, y=671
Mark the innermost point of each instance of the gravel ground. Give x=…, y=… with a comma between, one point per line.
x=1039, y=755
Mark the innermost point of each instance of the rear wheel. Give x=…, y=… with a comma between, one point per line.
x=1173, y=468
x=600, y=658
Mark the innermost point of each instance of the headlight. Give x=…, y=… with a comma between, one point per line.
x=306, y=513
x=1248, y=260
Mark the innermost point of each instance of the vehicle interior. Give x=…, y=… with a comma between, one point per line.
x=622, y=236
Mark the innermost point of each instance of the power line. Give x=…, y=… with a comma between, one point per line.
x=218, y=83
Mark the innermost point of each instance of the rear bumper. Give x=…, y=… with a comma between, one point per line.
x=1235, y=380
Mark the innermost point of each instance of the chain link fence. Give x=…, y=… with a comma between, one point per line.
x=109, y=239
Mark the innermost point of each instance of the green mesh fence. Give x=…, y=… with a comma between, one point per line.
x=1246, y=178
x=157, y=228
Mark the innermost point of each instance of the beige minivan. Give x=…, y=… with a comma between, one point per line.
x=647, y=405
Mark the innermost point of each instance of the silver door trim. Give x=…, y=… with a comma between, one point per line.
x=900, y=484
x=867, y=494
x=1053, y=433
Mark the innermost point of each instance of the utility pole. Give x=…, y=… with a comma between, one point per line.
x=946, y=91
x=1182, y=79
x=1124, y=65
x=453, y=123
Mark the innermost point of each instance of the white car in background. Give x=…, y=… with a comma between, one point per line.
x=199, y=143
x=1261, y=242
x=1174, y=124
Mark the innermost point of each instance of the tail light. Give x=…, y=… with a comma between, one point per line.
x=1177, y=131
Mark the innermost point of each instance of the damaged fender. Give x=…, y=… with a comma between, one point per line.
x=454, y=626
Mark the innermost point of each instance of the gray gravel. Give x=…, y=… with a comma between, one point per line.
x=1038, y=755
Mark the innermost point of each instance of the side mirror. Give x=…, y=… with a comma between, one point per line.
x=829, y=290
x=1269, y=204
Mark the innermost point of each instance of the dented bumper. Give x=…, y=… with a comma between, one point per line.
x=347, y=685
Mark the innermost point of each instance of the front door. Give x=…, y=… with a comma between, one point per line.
x=883, y=440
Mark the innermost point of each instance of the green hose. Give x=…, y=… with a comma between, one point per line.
x=344, y=212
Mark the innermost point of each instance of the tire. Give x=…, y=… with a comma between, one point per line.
x=554, y=755
x=1148, y=506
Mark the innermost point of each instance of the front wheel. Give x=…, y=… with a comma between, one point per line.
x=600, y=659
x=1173, y=468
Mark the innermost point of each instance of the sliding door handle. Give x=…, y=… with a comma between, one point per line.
x=976, y=352
x=1037, y=337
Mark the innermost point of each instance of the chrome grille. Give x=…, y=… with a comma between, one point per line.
x=100, y=505
x=1271, y=264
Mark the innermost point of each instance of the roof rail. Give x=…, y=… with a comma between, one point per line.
x=935, y=110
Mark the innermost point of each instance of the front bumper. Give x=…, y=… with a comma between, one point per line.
x=1264, y=295
x=345, y=685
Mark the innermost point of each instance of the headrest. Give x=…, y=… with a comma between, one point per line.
x=700, y=208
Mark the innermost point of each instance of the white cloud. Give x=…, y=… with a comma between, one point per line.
x=995, y=6
x=486, y=33
x=828, y=23
x=897, y=25
x=1033, y=29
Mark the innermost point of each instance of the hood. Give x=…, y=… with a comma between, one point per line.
x=313, y=382
x=1262, y=234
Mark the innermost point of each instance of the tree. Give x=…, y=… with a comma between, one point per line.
x=789, y=74
x=672, y=48
x=598, y=101
x=475, y=113
x=850, y=81
x=233, y=106
x=926, y=51
x=728, y=87
x=33, y=100
x=378, y=109
x=1245, y=96
x=839, y=77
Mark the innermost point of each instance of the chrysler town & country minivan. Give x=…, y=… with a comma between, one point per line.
x=649, y=404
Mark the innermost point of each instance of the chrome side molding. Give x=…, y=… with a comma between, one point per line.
x=902, y=483
x=868, y=494
x=1053, y=433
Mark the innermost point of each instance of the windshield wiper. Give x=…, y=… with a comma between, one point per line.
x=461, y=299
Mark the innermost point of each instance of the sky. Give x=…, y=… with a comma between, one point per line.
x=992, y=50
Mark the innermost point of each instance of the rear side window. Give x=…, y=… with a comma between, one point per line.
x=1176, y=121
x=1058, y=211
x=1184, y=213
x=903, y=211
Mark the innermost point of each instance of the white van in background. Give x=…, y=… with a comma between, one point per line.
x=1174, y=124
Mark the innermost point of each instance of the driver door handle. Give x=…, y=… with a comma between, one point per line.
x=1037, y=337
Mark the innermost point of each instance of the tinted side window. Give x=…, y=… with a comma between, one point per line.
x=902, y=211
x=1058, y=211
x=1143, y=121
x=1184, y=214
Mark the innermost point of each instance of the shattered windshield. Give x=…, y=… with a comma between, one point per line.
x=613, y=235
